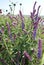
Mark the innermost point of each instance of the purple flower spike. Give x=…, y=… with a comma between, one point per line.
x=27, y=56
x=36, y=18
x=33, y=13
x=34, y=5
x=21, y=16
x=38, y=9
x=34, y=10
x=39, y=55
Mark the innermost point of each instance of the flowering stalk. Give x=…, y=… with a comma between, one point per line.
x=22, y=18
x=27, y=56
x=33, y=13
x=34, y=5
x=39, y=49
x=35, y=18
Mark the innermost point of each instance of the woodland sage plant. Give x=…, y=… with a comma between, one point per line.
x=18, y=41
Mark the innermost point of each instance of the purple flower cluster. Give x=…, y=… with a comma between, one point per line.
x=39, y=49
x=35, y=18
